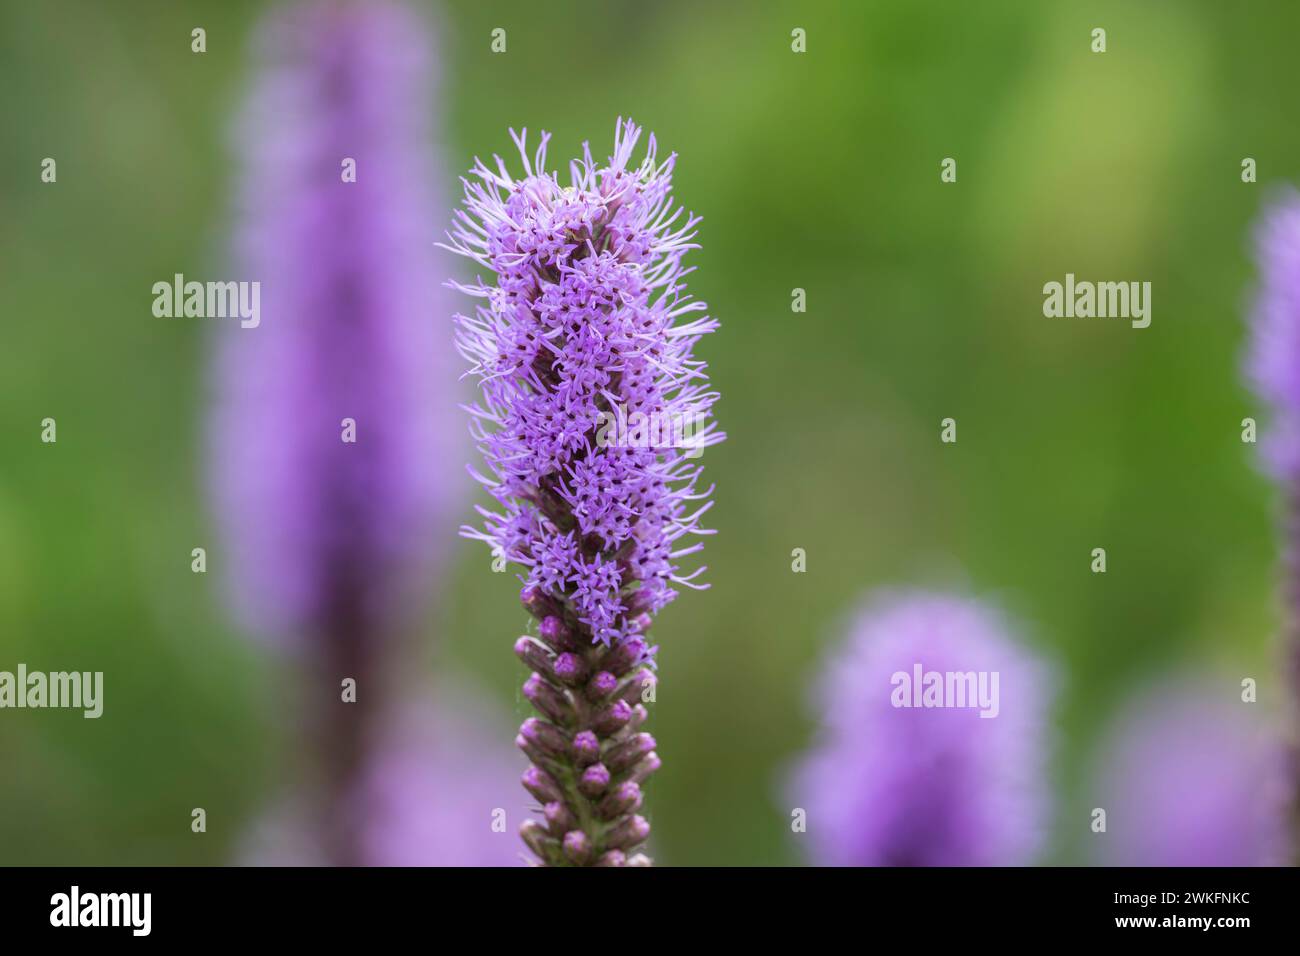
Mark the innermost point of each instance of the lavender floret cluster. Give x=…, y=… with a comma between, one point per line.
x=587, y=327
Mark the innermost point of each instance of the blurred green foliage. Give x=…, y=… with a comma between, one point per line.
x=818, y=171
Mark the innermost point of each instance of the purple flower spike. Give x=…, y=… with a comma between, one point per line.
x=1192, y=776
x=1273, y=359
x=319, y=529
x=1273, y=369
x=910, y=774
x=593, y=414
x=333, y=412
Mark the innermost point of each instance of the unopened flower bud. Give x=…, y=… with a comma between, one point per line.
x=594, y=780
x=547, y=699
x=633, y=691
x=538, y=604
x=627, y=833
x=554, y=632
x=586, y=748
x=639, y=716
x=538, y=840
x=639, y=602
x=613, y=717
x=569, y=668
x=646, y=767
x=577, y=847
x=530, y=749
x=627, y=753
x=546, y=737
x=622, y=798
x=534, y=654
x=624, y=656
x=601, y=685
x=541, y=785
x=559, y=818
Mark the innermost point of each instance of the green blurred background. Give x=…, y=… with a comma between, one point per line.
x=818, y=171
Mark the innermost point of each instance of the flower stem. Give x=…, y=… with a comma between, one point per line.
x=589, y=754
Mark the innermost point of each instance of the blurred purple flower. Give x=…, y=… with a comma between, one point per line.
x=1273, y=368
x=1273, y=359
x=321, y=533
x=439, y=789
x=329, y=542
x=891, y=785
x=1192, y=776
x=593, y=409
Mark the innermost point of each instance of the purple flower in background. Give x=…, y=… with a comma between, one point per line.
x=332, y=418
x=592, y=416
x=1192, y=776
x=1273, y=369
x=438, y=788
x=317, y=527
x=925, y=758
x=1273, y=359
